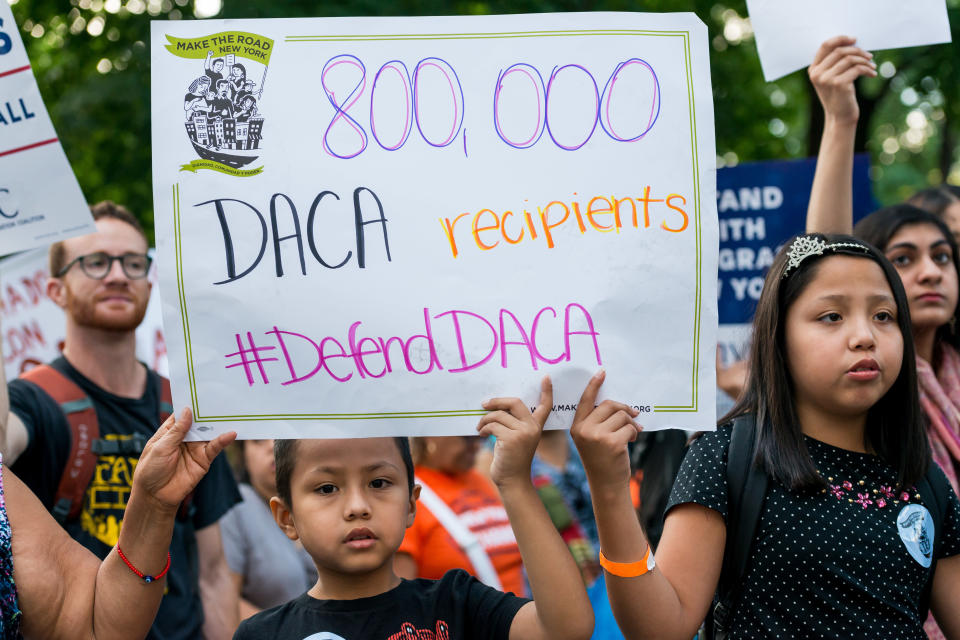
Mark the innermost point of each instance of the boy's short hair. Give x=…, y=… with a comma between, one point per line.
x=99, y=211
x=285, y=458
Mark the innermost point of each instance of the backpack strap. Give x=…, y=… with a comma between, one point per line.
x=81, y=416
x=746, y=492
x=935, y=492
x=166, y=399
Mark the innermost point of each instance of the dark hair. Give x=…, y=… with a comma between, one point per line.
x=895, y=426
x=285, y=456
x=881, y=225
x=216, y=60
x=935, y=199
x=196, y=83
x=100, y=211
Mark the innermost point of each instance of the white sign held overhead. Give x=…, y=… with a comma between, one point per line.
x=40, y=200
x=415, y=214
x=788, y=34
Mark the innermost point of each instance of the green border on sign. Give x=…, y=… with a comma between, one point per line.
x=694, y=397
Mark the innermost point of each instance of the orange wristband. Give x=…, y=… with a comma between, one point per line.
x=626, y=569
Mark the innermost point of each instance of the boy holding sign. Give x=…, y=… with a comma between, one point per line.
x=350, y=501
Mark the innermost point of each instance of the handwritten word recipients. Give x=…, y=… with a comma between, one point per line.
x=599, y=214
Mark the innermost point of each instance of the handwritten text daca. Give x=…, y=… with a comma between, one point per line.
x=233, y=211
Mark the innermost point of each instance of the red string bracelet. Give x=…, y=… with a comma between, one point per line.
x=140, y=574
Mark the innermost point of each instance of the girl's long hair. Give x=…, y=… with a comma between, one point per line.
x=881, y=225
x=895, y=428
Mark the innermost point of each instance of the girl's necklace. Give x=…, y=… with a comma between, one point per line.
x=879, y=497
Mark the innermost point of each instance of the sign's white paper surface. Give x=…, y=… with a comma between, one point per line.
x=368, y=226
x=788, y=34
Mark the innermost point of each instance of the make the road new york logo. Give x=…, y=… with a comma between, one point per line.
x=221, y=105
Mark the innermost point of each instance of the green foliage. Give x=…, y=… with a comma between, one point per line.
x=92, y=64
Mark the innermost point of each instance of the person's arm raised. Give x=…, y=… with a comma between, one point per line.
x=65, y=592
x=836, y=66
x=561, y=609
x=670, y=600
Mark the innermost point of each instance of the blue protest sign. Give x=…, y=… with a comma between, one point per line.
x=761, y=205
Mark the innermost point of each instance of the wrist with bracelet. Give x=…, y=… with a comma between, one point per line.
x=628, y=569
x=146, y=578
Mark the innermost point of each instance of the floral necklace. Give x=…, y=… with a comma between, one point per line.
x=865, y=497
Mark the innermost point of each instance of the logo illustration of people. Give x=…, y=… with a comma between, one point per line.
x=917, y=532
x=221, y=107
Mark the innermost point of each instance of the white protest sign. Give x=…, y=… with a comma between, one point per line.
x=40, y=200
x=402, y=217
x=33, y=326
x=788, y=34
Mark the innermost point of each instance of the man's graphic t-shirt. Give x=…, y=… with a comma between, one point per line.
x=477, y=503
x=41, y=465
x=456, y=607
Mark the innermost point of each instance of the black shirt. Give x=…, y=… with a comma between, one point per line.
x=215, y=77
x=222, y=107
x=41, y=465
x=455, y=607
x=830, y=564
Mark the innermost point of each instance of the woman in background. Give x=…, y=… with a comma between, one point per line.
x=268, y=568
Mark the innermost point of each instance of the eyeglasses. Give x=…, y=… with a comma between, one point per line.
x=97, y=265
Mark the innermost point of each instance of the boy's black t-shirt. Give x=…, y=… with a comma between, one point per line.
x=455, y=607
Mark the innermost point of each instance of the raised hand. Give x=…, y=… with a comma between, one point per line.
x=170, y=468
x=517, y=432
x=837, y=64
x=601, y=434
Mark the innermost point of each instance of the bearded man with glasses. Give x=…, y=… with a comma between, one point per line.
x=76, y=427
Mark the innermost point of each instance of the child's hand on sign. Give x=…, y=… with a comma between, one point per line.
x=517, y=432
x=837, y=64
x=601, y=433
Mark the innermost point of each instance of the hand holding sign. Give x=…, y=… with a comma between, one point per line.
x=837, y=64
x=517, y=431
x=601, y=433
